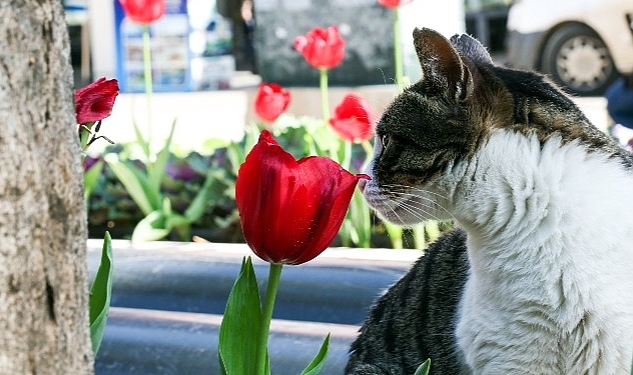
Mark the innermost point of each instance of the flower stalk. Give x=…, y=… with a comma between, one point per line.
x=147, y=75
x=325, y=100
x=397, y=49
x=274, y=275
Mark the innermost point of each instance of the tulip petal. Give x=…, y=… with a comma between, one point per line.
x=95, y=101
x=394, y=3
x=322, y=48
x=271, y=101
x=291, y=210
x=143, y=11
x=353, y=120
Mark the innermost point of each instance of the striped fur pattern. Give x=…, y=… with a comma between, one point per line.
x=417, y=316
x=538, y=279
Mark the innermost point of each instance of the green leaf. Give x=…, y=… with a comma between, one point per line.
x=176, y=220
x=432, y=229
x=395, y=234
x=211, y=145
x=100, y=292
x=318, y=362
x=91, y=176
x=424, y=368
x=201, y=201
x=236, y=155
x=167, y=207
x=156, y=170
x=241, y=324
x=419, y=236
x=222, y=366
x=136, y=183
x=141, y=141
x=153, y=227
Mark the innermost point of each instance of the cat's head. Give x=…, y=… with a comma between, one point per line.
x=428, y=136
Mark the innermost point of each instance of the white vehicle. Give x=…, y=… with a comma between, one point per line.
x=584, y=45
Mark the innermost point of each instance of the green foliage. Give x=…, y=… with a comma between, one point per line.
x=245, y=321
x=241, y=324
x=91, y=176
x=100, y=292
x=137, y=184
x=166, y=197
x=144, y=183
x=315, y=366
x=193, y=194
x=424, y=368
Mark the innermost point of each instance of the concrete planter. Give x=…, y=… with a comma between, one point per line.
x=168, y=299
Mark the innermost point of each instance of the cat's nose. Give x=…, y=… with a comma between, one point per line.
x=361, y=185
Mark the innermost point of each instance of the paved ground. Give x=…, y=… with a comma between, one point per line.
x=223, y=114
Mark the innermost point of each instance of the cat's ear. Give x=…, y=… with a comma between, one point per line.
x=469, y=46
x=442, y=64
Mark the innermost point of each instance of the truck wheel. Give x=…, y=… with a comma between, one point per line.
x=577, y=59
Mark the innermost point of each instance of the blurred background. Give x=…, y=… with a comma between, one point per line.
x=209, y=57
x=225, y=44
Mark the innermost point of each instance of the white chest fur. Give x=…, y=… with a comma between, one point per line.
x=551, y=248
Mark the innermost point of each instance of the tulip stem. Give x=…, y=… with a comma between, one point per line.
x=274, y=274
x=369, y=152
x=397, y=53
x=347, y=155
x=325, y=101
x=84, y=136
x=147, y=74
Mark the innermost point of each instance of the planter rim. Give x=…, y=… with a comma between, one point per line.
x=240, y=250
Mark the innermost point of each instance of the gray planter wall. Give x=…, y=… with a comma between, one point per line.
x=168, y=298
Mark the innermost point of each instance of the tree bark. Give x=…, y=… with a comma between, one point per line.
x=43, y=276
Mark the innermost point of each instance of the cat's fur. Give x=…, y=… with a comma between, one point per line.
x=539, y=279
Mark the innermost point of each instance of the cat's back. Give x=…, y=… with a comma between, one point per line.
x=417, y=317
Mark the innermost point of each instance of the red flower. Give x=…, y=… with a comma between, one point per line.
x=291, y=210
x=143, y=11
x=352, y=119
x=394, y=3
x=94, y=102
x=271, y=101
x=322, y=48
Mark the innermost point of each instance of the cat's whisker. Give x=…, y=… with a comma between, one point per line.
x=405, y=191
x=421, y=201
x=396, y=215
x=410, y=211
x=418, y=212
x=414, y=188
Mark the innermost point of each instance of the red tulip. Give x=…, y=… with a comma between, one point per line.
x=94, y=102
x=143, y=11
x=394, y=3
x=271, y=101
x=352, y=119
x=322, y=48
x=291, y=210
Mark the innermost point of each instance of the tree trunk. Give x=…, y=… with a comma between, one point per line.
x=43, y=276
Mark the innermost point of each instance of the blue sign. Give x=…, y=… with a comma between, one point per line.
x=169, y=50
x=190, y=48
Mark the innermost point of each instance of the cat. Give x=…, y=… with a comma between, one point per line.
x=537, y=277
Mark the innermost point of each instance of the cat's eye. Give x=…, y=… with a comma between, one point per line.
x=384, y=140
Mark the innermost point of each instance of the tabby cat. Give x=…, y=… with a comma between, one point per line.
x=538, y=277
